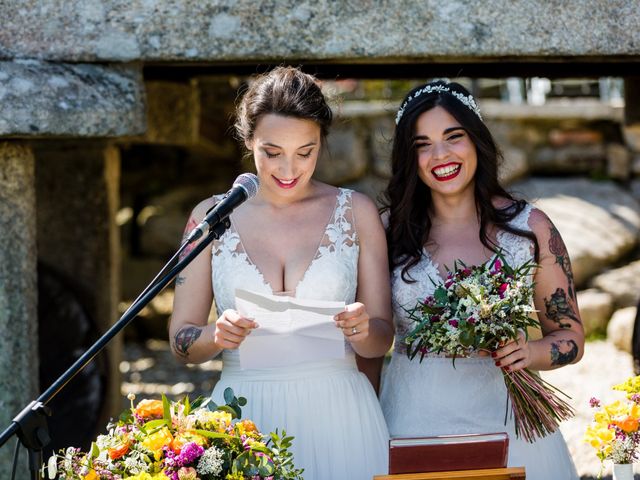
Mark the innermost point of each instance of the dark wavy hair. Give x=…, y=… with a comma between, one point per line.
x=283, y=91
x=408, y=200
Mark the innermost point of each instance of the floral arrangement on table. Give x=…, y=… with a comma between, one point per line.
x=480, y=308
x=163, y=440
x=615, y=430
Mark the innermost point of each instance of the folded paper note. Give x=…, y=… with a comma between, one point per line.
x=292, y=330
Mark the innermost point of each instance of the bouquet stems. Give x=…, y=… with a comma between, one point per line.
x=536, y=408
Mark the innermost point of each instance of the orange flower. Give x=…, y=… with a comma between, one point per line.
x=119, y=451
x=149, y=409
x=249, y=426
x=627, y=424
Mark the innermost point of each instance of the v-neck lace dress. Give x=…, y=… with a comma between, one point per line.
x=436, y=398
x=329, y=407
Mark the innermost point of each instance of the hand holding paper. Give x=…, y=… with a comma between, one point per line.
x=291, y=331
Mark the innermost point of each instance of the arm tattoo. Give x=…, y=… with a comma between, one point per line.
x=184, y=339
x=559, y=308
x=558, y=248
x=191, y=224
x=563, y=352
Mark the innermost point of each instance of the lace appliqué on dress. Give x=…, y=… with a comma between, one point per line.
x=332, y=274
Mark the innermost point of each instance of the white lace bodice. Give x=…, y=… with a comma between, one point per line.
x=516, y=249
x=331, y=275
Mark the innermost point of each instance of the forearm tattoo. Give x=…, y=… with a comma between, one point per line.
x=563, y=352
x=191, y=224
x=183, y=340
x=558, y=308
x=559, y=249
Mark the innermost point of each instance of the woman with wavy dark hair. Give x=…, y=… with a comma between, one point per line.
x=444, y=203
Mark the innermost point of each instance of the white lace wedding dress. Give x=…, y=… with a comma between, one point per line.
x=434, y=398
x=329, y=407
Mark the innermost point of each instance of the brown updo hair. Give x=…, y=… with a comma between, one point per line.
x=285, y=91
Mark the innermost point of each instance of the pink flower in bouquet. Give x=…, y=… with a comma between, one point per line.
x=497, y=266
x=453, y=322
x=502, y=289
x=471, y=320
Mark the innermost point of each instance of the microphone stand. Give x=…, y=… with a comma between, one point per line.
x=30, y=424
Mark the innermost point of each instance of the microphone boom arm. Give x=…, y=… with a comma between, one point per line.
x=36, y=438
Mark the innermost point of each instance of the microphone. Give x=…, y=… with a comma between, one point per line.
x=244, y=187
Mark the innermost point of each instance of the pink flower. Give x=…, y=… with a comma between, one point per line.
x=497, y=266
x=453, y=323
x=502, y=289
x=594, y=402
x=448, y=283
x=471, y=320
x=466, y=272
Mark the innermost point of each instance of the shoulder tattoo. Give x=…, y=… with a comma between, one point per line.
x=559, y=250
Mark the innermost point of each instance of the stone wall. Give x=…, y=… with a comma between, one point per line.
x=324, y=30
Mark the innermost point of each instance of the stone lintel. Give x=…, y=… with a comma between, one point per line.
x=41, y=99
x=317, y=30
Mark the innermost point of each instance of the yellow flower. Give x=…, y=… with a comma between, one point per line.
x=247, y=427
x=631, y=386
x=616, y=409
x=157, y=440
x=598, y=436
x=183, y=438
x=221, y=420
x=92, y=475
x=148, y=476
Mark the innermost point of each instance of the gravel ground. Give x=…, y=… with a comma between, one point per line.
x=149, y=370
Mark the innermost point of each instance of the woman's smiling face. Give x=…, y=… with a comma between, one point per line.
x=285, y=150
x=447, y=158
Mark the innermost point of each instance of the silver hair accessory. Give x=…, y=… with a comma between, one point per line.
x=467, y=100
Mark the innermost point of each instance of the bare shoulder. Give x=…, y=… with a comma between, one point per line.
x=363, y=206
x=201, y=209
x=366, y=215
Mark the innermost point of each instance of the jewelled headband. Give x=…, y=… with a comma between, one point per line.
x=467, y=100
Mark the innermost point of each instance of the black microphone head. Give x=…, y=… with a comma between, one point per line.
x=249, y=183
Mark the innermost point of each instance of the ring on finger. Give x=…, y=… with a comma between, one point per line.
x=353, y=331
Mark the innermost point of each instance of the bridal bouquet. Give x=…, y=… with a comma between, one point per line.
x=163, y=440
x=615, y=430
x=481, y=308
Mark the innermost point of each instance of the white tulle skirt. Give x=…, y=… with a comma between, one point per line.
x=330, y=408
x=434, y=398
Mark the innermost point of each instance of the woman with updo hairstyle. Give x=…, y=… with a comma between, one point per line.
x=306, y=239
x=444, y=203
